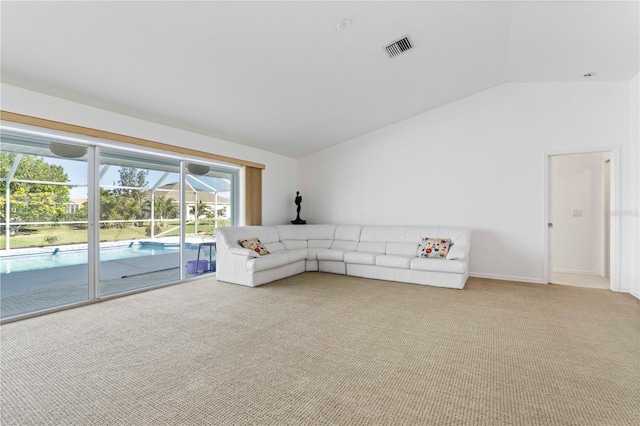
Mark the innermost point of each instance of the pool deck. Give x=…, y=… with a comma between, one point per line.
x=190, y=241
x=29, y=291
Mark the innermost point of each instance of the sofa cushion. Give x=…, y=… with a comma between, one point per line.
x=266, y=234
x=371, y=247
x=457, y=252
x=375, y=233
x=331, y=254
x=320, y=243
x=312, y=254
x=436, y=248
x=321, y=232
x=292, y=232
x=438, y=265
x=274, y=247
x=394, y=261
x=275, y=260
x=413, y=234
x=360, y=257
x=243, y=252
x=255, y=245
x=344, y=245
x=233, y=235
x=348, y=233
x=404, y=249
x=294, y=244
x=306, y=232
x=392, y=234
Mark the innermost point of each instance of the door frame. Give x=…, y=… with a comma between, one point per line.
x=614, y=228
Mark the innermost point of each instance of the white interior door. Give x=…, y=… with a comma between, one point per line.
x=578, y=200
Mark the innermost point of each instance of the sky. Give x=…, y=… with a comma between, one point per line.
x=77, y=172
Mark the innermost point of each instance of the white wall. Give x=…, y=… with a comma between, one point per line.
x=278, y=179
x=476, y=163
x=577, y=190
x=631, y=267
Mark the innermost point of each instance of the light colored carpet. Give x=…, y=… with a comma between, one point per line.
x=323, y=349
x=580, y=280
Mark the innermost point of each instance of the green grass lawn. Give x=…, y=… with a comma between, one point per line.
x=42, y=236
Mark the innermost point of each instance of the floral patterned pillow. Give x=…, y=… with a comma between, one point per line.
x=434, y=247
x=255, y=245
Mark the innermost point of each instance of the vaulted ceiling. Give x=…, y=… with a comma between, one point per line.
x=280, y=76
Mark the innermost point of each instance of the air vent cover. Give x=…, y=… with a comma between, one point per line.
x=398, y=47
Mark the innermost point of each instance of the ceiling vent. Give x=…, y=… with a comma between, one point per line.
x=398, y=47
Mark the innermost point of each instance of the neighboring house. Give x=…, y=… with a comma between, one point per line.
x=75, y=204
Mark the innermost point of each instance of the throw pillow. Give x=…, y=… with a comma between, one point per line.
x=255, y=245
x=434, y=247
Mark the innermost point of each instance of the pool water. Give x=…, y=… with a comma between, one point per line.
x=30, y=262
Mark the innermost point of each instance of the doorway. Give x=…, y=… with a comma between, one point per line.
x=579, y=230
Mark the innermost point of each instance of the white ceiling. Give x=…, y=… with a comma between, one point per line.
x=279, y=76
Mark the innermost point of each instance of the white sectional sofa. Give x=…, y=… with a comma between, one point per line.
x=379, y=252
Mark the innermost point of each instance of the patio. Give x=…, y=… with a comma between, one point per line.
x=29, y=291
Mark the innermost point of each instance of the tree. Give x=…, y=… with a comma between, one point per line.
x=222, y=212
x=216, y=215
x=131, y=177
x=126, y=202
x=126, y=208
x=163, y=208
x=34, y=202
x=222, y=219
x=108, y=203
x=81, y=215
x=210, y=215
x=198, y=210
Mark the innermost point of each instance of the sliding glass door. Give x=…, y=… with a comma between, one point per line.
x=44, y=237
x=139, y=222
x=208, y=194
x=83, y=220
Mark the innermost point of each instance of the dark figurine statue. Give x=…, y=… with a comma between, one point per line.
x=298, y=202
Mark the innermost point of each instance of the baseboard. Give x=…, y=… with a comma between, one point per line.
x=575, y=271
x=635, y=294
x=506, y=278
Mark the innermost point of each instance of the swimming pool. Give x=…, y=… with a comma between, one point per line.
x=43, y=260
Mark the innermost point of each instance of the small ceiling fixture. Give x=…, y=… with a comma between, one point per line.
x=67, y=151
x=197, y=169
x=589, y=75
x=343, y=24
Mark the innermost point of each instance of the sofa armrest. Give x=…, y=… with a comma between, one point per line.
x=242, y=252
x=458, y=252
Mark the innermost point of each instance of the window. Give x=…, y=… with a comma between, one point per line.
x=44, y=256
x=67, y=237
